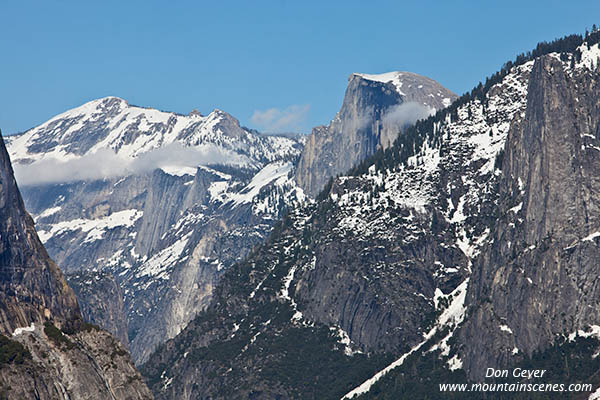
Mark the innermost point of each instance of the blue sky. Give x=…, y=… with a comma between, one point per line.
x=274, y=65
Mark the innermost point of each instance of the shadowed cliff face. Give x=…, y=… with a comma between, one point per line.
x=538, y=277
x=59, y=357
x=32, y=287
x=362, y=124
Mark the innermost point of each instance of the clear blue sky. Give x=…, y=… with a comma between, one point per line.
x=246, y=57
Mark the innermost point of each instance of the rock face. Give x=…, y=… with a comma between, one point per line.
x=101, y=301
x=472, y=242
x=374, y=110
x=32, y=286
x=168, y=202
x=538, y=276
x=89, y=364
x=39, y=360
x=157, y=231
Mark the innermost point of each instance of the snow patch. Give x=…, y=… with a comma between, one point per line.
x=394, y=77
x=516, y=208
x=455, y=363
x=589, y=56
x=178, y=170
x=591, y=237
x=95, y=228
x=344, y=339
x=19, y=331
x=157, y=265
x=593, y=331
x=595, y=395
x=268, y=174
x=48, y=212
x=285, y=291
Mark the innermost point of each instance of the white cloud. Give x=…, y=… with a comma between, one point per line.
x=276, y=120
x=407, y=114
x=106, y=164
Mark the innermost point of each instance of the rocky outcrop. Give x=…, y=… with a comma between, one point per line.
x=51, y=352
x=537, y=279
x=89, y=364
x=370, y=118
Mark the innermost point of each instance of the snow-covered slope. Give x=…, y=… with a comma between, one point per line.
x=130, y=131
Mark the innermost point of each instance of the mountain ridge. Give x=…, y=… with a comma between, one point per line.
x=297, y=280
x=127, y=220
x=150, y=199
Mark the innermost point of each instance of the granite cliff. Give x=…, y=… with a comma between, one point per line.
x=374, y=110
x=537, y=276
x=48, y=352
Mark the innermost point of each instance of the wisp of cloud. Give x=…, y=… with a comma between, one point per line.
x=275, y=120
x=405, y=114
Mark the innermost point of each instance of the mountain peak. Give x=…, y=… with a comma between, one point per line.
x=92, y=106
x=107, y=99
x=129, y=130
x=413, y=87
x=373, y=112
x=112, y=129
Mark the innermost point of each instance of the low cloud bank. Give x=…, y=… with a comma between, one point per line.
x=106, y=163
x=406, y=114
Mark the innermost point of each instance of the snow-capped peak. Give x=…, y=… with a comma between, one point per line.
x=385, y=77
x=89, y=108
x=111, y=123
